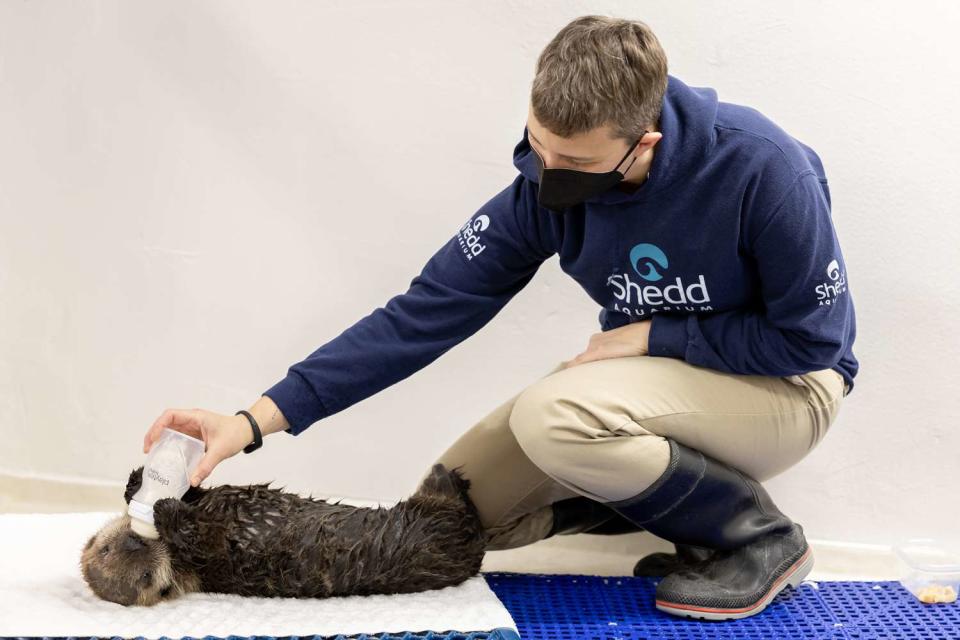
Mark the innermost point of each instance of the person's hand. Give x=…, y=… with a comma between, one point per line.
x=628, y=340
x=223, y=436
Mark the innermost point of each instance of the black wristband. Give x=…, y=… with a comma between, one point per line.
x=257, y=436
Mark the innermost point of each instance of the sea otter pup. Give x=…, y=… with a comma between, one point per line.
x=256, y=541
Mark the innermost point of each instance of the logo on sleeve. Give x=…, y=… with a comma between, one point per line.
x=827, y=292
x=469, y=236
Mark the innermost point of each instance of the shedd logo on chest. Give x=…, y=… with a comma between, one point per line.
x=649, y=262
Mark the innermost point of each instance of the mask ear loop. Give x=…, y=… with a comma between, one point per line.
x=629, y=151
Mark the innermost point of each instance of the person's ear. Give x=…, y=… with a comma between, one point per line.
x=650, y=140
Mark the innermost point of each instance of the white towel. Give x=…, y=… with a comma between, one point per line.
x=42, y=593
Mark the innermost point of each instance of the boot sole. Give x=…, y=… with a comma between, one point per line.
x=792, y=576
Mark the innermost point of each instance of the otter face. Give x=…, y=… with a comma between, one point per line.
x=124, y=567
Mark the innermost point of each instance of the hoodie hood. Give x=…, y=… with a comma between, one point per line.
x=687, y=121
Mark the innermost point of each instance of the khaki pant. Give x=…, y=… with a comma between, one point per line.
x=598, y=429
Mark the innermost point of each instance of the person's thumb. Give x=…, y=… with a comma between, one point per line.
x=204, y=468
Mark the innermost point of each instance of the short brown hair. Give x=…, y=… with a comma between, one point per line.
x=599, y=70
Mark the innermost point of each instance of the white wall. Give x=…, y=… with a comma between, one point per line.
x=195, y=195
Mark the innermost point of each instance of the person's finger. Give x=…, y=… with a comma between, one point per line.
x=155, y=429
x=204, y=468
x=176, y=419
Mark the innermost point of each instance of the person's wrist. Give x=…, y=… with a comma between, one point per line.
x=268, y=416
x=241, y=426
x=253, y=429
x=642, y=336
x=241, y=435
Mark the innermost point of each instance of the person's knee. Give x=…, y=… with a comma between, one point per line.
x=530, y=419
x=547, y=423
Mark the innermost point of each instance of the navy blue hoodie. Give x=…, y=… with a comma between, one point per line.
x=728, y=247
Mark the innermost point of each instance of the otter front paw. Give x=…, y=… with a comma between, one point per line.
x=174, y=520
x=133, y=483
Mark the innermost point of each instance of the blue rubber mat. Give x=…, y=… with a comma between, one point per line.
x=496, y=634
x=577, y=607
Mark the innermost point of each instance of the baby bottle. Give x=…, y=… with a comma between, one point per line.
x=166, y=474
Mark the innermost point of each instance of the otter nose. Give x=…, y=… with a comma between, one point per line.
x=132, y=542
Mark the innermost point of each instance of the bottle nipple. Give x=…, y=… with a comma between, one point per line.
x=145, y=529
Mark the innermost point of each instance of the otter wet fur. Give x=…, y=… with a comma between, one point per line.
x=256, y=541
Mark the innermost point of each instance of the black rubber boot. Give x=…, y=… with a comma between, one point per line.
x=660, y=564
x=702, y=502
x=583, y=515
x=580, y=514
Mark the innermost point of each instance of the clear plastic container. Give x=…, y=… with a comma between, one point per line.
x=166, y=474
x=930, y=570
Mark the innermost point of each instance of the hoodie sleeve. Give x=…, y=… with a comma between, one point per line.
x=803, y=320
x=489, y=259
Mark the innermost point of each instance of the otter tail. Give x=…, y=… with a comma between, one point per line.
x=444, y=482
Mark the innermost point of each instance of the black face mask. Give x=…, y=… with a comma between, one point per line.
x=562, y=188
